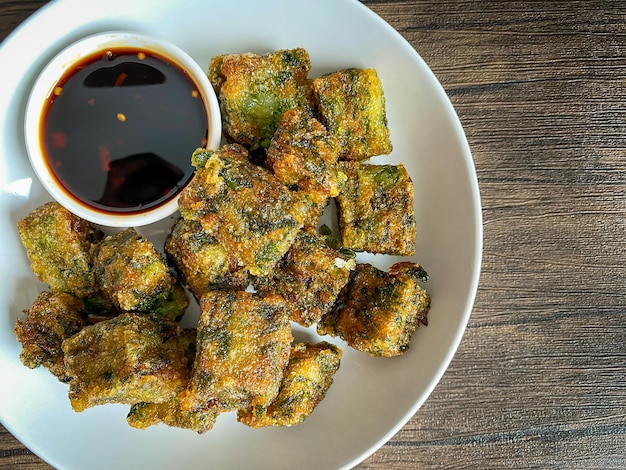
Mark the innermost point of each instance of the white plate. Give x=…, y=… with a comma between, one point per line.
x=372, y=398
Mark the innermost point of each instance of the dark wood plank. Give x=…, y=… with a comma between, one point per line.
x=14, y=456
x=14, y=12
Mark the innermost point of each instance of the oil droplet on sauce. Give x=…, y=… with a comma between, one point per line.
x=119, y=130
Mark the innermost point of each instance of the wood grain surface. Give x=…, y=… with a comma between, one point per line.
x=539, y=380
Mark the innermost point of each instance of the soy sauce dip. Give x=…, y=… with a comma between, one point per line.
x=119, y=128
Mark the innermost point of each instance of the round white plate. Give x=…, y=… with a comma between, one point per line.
x=372, y=398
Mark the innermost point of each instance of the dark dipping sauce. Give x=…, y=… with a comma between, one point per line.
x=119, y=130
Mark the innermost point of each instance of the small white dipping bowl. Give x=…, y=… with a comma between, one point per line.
x=62, y=65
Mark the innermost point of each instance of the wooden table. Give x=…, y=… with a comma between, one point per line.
x=539, y=380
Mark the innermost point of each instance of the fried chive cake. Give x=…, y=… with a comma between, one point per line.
x=58, y=244
x=254, y=91
x=143, y=414
x=135, y=278
x=47, y=323
x=248, y=211
x=243, y=347
x=305, y=383
x=375, y=209
x=377, y=312
x=202, y=263
x=352, y=103
x=303, y=156
x=310, y=276
x=128, y=359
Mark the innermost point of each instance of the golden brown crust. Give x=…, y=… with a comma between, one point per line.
x=307, y=378
x=134, y=277
x=50, y=320
x=352, y=103
x=143, y=415
x=129, y=359
x=375, y=209
x=58, y=244
x=242, y=349
x=310, y=276
x=303, y=154
x=252, y=214
x=378, y=312
x=254, y=91
x=202, y=263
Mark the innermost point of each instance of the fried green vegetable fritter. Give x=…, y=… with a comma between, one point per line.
x=50, y=320
x=352, y=103
x=248, y=211
x=307, y=378
x=375, y=209
x=129, y=359
x=143, y=415
x=58, y=244
x=202, y=263
x=310, y=276
x=303, y=156
x=243, y=347
x=254, y=91
x=134, y=276
x=378, y=312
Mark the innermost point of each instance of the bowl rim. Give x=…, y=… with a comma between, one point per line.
x=49, y=77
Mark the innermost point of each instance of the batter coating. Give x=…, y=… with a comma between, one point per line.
x=248, y=211
x=310, y=276
x=303, y=156
x=134, y=277
x=352, y=104
x=375, y=209
x=378, y=312
x=255, y=91
x=307, y=378
x=58, y=244
x=143, y=415
x=129, y=359
x=50, y=320
x=202, y=263
x=242, y=349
